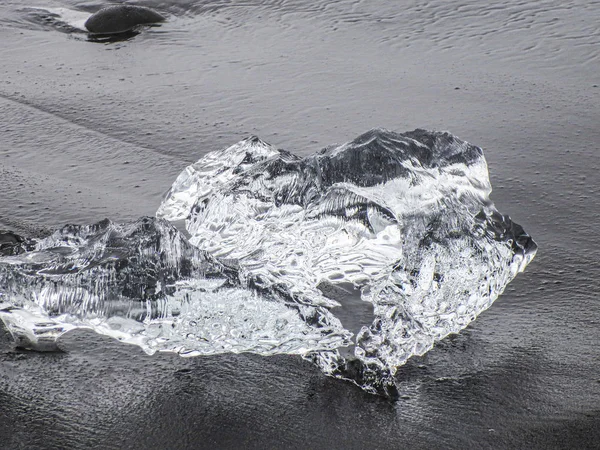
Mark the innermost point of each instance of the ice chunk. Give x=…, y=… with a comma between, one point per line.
x=404, y=219
x=356, y=257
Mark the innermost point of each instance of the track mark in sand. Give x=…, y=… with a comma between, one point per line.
x=80, y=159
x=75, y=123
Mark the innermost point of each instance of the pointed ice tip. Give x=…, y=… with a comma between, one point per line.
x=256, y=144
x=253, y=139
x=374, y=134
x=529, y=249
x=371, y=378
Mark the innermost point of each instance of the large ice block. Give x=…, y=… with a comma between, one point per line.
x=356, y=257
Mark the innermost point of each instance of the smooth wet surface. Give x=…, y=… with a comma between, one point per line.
x=94, y=130
x=121, y=19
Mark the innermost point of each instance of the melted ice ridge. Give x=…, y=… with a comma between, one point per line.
x=356, y=258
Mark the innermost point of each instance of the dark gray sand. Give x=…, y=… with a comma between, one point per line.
x=91, y=130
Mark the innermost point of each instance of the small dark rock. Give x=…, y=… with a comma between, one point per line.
x=121, y=18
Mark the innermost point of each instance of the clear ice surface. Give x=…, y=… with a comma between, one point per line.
x=356, y=258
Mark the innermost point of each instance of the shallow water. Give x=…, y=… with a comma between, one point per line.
x=91, y=130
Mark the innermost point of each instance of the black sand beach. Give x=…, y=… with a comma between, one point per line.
x=91, y=130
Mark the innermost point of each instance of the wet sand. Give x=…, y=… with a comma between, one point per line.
x=92, y=130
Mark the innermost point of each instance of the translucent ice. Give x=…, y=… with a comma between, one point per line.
x=356, y=257
x=144, y=283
